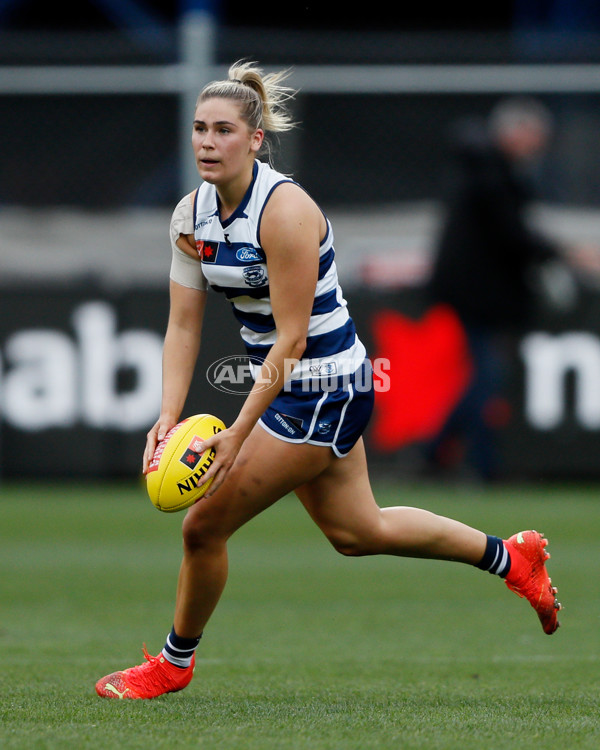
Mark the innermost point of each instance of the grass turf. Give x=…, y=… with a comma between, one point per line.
x=307, y=649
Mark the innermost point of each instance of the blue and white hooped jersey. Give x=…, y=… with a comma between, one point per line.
x=234, y=263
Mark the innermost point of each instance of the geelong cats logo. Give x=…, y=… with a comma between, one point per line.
x=255, y=275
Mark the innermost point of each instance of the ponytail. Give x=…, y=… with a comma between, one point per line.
x=263, y=99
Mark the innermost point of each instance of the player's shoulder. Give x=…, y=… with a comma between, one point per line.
x=289, y=210
x=186, y=202
x=289, y=198
x=182, y=218
x=267, y=179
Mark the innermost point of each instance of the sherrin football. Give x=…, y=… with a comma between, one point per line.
x=177, y=467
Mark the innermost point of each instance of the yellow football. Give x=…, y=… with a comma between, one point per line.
x=177, y=467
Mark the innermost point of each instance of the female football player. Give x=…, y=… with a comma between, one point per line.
x=258, y=237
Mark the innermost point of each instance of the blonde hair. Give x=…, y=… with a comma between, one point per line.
x=262, y=98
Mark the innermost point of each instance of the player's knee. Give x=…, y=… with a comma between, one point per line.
x=200, y=529
x=349, y=544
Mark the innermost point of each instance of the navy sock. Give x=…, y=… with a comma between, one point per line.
x=179, y=651
x=496, y=558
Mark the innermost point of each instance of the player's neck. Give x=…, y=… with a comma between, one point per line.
x=232, y=194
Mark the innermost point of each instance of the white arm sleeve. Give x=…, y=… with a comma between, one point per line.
x=185, y=270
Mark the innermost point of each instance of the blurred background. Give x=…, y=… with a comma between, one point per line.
x=96, y=104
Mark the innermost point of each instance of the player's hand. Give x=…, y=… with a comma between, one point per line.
x=153, y=438
x=226, y=445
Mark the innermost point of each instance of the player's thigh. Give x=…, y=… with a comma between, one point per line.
x=341, y=502
x=265, y=470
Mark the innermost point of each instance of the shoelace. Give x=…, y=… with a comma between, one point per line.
x=146, y=676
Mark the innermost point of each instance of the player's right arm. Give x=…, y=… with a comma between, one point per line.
x=187, y=292
x=180, y=352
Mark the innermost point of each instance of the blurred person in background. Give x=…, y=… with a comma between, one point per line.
x=489, y=267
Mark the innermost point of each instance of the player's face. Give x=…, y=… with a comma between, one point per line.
x=223, y=145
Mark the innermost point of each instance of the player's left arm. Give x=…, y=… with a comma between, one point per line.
x=291, y=235
x=291, y=230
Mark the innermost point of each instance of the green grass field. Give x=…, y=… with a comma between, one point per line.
x=307, y=649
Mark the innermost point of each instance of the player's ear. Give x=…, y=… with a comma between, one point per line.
x=256, y=140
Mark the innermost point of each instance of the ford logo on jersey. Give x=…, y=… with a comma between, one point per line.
x=246, y=254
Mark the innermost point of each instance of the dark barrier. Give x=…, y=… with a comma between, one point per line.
x=80, y=374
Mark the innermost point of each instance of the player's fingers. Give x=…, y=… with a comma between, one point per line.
x=218, y=479
x=153, y=438
x=222, y=461
x=225, y=446
x=148, y=454
x=209, y=442
x=211, y=473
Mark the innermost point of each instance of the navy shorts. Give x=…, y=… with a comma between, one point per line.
x=323, y=411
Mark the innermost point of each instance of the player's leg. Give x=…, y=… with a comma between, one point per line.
x=266, y=469
x=341, y=502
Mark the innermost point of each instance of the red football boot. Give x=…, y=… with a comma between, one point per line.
x=529, y=578
x=149, y=680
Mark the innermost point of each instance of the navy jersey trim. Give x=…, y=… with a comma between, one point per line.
x=270, y=193
x=264, y=205
x=239, y=212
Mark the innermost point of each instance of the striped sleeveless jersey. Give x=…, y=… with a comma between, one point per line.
x=234, y=263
